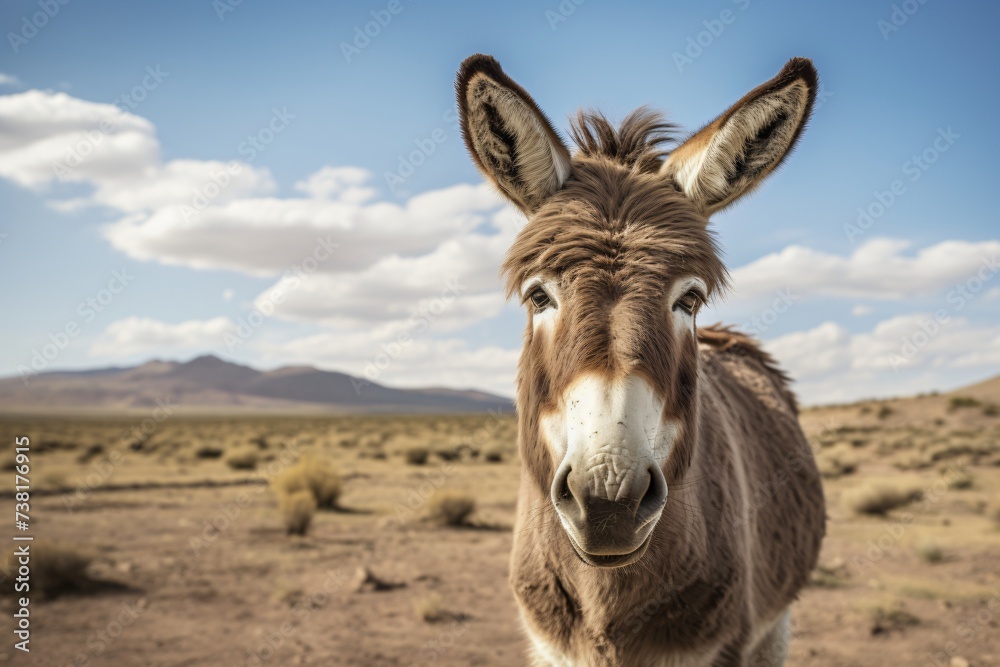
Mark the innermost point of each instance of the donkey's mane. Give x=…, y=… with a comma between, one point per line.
x=727, y=340
x=639, y=142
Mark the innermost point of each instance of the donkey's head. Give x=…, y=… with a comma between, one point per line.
x=612, y=267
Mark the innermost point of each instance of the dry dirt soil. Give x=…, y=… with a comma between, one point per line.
x=160, y=539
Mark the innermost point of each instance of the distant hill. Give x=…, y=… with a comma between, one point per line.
x=208, y=382
x=987, y=391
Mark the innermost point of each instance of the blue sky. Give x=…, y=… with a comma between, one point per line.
x=860, y=307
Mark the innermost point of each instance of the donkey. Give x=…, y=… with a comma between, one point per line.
x=670, y=509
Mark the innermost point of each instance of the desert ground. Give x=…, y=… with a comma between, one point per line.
x=162, y=538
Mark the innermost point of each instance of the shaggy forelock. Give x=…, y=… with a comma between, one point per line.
x=617, y=220
x=640, y=142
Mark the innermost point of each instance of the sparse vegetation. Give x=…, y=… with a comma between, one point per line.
x=450, y=508
x=493, y=455
x=959, y=402
x=428, y=608
x=884, y=411
x=56, y=568
x=930, y=552
x=208, y=452
x=837, y=461
x=315, y=475
x=879, y=499
x=243, y=459
x=297, y=510
x=959, y=479
x=938, y=565
x=994, y=512
x=890, y=620
x=417, y=456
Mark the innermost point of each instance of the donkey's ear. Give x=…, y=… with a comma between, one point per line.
x=510, y=139
x=731, y=155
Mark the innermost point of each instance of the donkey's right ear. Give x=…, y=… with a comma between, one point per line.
x=510, y=139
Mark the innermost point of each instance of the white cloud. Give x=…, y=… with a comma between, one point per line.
x=228, y=294
x=900, y=356
x=879, y=269
x=861, y=309
x=347, y=183
x=48, y=137
x=276, y=234
x=143, y=335
x=9, y=80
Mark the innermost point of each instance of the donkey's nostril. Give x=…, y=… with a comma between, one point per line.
x=649, y=485
x=568, y=504
x=562, y=486
x=654, y=496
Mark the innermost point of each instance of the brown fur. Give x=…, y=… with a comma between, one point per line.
x=744, y=518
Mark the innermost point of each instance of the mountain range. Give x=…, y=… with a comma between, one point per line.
x=210, y=383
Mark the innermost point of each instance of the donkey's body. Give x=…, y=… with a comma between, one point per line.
x=622, y=402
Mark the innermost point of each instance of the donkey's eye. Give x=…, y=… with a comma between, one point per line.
x=539, y=299
x=689, y=303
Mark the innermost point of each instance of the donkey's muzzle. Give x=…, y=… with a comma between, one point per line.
x=609, y=531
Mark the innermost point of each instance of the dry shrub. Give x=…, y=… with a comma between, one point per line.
x=243, y=459
x=428, y=608
x=884, y=411
x=493, y=455
x=837, y=461
x=315, y=475
x=417, y=456
x=995, y=512
x=885, y=621
x=56, y=568
x=930, y=552
x=960, y=480
x=297, y=509
x=451, y=508
x=208, y=452
x=914, y=462
x=879, y=499
x=957, y=402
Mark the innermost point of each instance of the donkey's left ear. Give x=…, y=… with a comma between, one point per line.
x=510, y=139
x=731, y=155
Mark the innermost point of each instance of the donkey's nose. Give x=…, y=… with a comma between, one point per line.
x=605, y=519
